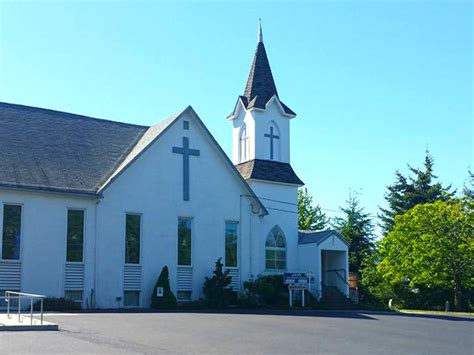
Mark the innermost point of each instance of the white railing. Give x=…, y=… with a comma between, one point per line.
x=11, y=295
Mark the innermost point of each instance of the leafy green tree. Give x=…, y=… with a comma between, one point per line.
x=310, y=217
x=358, y=230
x=216, y=289
x=373, y=290
x=168, y=300
x=407, y=192
x=431, y=246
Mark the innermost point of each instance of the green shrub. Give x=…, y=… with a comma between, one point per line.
x=192, y=305
x=265, y=291
x=58, y=304
x=168, y=300
x=217, y=293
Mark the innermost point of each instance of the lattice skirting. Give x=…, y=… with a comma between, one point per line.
x=132, y=278
x=10, y=276
x=185, y=278
x=73, y=277
x=235, y=283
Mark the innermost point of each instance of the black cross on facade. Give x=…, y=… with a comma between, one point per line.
x=272, y=137
x=187, y=152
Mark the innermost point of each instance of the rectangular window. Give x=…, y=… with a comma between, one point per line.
x=131, y=299
x=132, y=239
x=73, y=296
x=11, y=232
x=183, y=296
x=75, y=235
x=184, y=241
x=231, y=244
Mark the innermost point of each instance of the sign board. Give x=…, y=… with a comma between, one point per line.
x=160, y=291
x=295, y=278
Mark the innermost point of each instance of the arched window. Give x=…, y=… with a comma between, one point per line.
x=275, y=250
x=244, y=145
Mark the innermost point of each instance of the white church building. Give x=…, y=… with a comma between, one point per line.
x=92, y=209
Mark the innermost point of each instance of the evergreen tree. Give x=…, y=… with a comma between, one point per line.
x=357, y=228
x=310, y=217
x=407, y=192
x=216, y=289
x=468, y=192
x=168, y=300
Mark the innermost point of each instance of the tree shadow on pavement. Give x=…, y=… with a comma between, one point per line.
x=455, y=318
x=352, y=314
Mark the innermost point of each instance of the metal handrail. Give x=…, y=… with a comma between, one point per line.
x=19, y=296
x=336, y=271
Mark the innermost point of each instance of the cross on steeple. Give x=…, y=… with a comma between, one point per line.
x=187, y=152
x=272, y=137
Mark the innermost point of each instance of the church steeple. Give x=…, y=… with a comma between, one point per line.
x=260, y=35
x=261, y=124
x=261, y=86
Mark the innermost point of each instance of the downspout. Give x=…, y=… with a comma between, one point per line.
x=251, y=244
x=250, y=234
x=239, y=250
x=96, y=235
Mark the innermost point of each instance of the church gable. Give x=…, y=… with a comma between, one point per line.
x=177, y=143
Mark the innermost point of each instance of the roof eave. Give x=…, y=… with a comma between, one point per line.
x=33, y=188
x=235, y=112
x=340, y=237
x=280, y=106
x=275, y=182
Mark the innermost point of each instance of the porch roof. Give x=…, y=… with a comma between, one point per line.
x=308, y=237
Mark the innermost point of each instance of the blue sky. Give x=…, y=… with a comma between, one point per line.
x=374, y=83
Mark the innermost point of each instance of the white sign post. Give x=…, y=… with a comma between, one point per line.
x=297, y=281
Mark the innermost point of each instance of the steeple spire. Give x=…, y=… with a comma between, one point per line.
x=260, y=86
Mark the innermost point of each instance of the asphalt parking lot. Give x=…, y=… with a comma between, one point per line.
x=276, y=333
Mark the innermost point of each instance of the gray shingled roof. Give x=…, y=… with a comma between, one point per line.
x=308, y=237
x=268, y=170
x=57, y=151
x=260, y=86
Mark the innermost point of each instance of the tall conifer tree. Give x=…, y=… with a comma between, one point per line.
x=407, y=192
x=357, y=228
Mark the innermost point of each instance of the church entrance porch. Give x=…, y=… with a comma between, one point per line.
x=334, y=279
x=325, y=254
x=334, y=273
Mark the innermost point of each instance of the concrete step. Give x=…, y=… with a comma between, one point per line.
x=25, y=323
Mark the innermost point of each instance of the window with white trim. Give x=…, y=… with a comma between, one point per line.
x=184, y=241
x=131, y=298
x=11, y=233
x=75, y=296
x=75, y=235
x=231, y=244
x=275, y=250
x=132, y=238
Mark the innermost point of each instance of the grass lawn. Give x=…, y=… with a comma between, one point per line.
x=436, y=312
